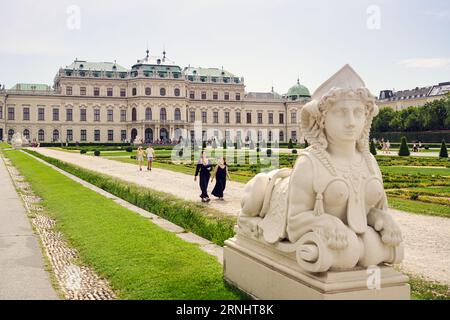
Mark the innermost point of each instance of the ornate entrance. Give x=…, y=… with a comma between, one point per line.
x=133, y=135
x=148, y=135
x=163, y=134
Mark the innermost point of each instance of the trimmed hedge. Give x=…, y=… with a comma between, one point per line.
x=443, y=153
x=404, y=150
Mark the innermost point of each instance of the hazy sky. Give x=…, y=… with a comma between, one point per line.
x=397, y=44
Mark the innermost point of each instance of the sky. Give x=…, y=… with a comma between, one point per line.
x=392, y=44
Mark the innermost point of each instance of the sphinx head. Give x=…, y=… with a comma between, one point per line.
x=342, y=109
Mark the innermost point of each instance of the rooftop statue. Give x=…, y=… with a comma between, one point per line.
x=330, y=210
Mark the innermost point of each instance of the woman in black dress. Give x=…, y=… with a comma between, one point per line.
x=203, y=169
x=221, y=174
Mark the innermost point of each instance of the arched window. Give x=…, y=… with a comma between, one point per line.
x=26, y=134
x=163, y=114
x=133, y=114
x=148, y=91
x=281, y=136
x=177, y=115
x=41, y=135
x=134, y=92
x=148, y=114
x=162, y=91
x=55, y=135
x=10, y=134
x=176, y=92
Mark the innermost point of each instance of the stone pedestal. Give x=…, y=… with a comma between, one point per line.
x=266, y=273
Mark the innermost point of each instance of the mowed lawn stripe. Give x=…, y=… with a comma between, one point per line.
x=141, y=260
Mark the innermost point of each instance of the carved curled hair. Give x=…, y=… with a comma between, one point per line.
x=312, y=123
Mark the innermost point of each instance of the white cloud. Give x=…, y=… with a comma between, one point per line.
x=429, y=63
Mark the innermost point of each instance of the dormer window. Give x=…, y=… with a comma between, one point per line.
x=158, y=61
x=81, y=66
x=114, y=67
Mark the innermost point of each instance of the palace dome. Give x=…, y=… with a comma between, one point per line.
x=298, y=91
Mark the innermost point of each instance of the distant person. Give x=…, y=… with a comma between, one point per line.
x=221, y=175
x=420, y=145
x=140, y=157
x=388, y=146
x=415, y=149
x=203, y=169
x=150, y=157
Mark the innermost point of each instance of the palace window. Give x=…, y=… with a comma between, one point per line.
x=238, y=96
x=69, y=135
x=238, y=117
x=82, y=91
x=41, y=114
x=96, y=135
x=133, y=114
x=294, y=136
x=227, y=117
x=204, y=117
x=26, y=134
x=281, y=118
x=215, y=95
x=110, y=135
x=123, y=115
x=55, y=135
x=82, y=114
x=41, y=135
x=203, y=95
x=134, y=91
x=69, y=91
x=192, y=116
x=123, y=135
x=55, y=114
x=294, y=117
x=148, y=91
x=176, y=92
x=216, y=117
x=1, y=112
x=69, y=114
x=270, y=118
x=96, y=91
x=226, y=96
x=109, y=92
x=162, y=92
x=96, y=114
x=10, y=134
x=260, y=116
x=83, y=135
x=148, y=114
x=191, y=95
x=123, y=92
x=163, y=114
x=26, y=114
x=249, y=117
x=110, y=115
x=11, y=113
x=281, y=136
x=177, y=114
x=270, y=135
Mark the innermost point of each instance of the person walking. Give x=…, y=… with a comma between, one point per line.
x=221, y=175
x=203, y=169
x=150, y=157
x=388, y=147
x=140, y=157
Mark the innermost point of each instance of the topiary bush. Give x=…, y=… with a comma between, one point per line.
x=443, y=153
x=83, y=151
x=404, y=150
x=96, y=153
x=269, y=152
x=373, y=149
x=129, y=149
x=294, y=151
x=290, y=145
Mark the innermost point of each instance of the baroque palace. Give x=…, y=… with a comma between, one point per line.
x=156, y=100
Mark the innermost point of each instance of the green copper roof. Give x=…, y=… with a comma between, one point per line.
x=95, y=66
x=207, y=72
x=298, y=90
x=31, y=87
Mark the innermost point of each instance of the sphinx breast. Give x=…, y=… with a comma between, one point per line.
x=374, y=192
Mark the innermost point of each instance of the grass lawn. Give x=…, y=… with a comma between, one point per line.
x=141, y=260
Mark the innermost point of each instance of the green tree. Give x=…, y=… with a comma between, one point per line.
x=373, y=149
x=381, y=121
x=404, y=150
x=443, y=153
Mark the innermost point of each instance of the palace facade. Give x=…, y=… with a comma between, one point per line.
x=154, y=100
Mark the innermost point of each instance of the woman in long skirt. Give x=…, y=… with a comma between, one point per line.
x=221, y=174
x=203, y=169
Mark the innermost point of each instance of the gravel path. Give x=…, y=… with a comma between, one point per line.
x=427, y=245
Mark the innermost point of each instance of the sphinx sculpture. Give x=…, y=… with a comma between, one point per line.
x=18, y=141
x=328, y=213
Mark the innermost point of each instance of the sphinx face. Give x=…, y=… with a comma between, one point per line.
x=345, y=121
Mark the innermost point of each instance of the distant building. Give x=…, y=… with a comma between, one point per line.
x=416, y=97
x=154, y=100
